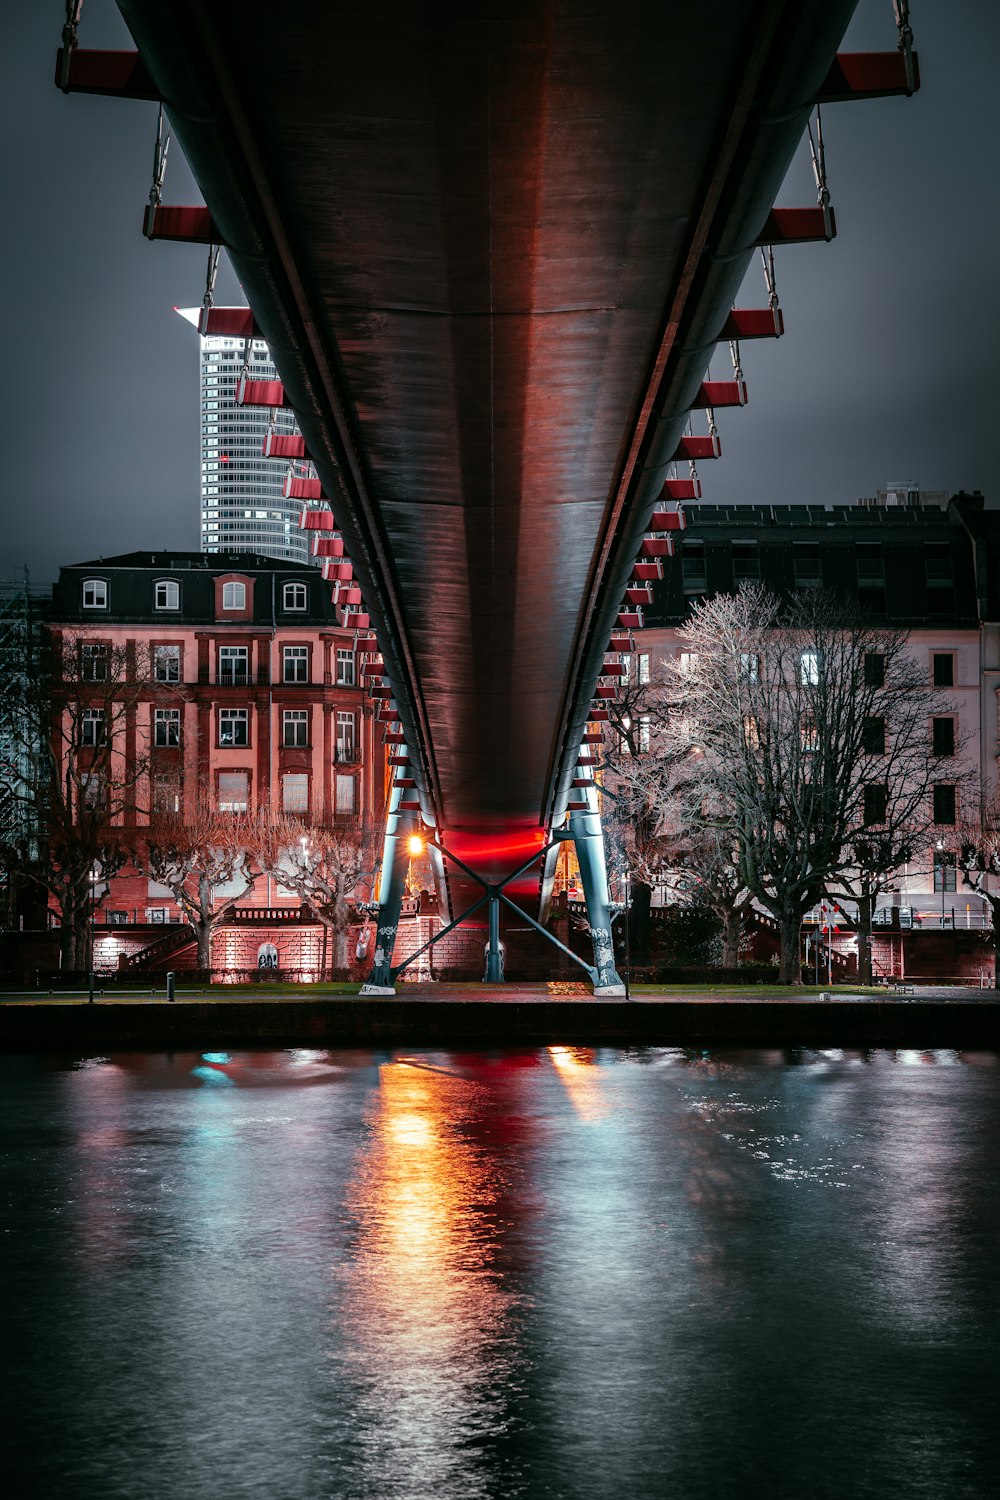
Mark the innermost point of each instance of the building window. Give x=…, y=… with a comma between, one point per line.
x=806, y=565
x=93, y=728
x=295, y=664
x=234, y=791
x=873, y=735
x=746, y=563
x=346, y=753
x=295, y=792
x=945, y=869
x=876, y=802
x=234, y=726
x=167, y=727
x=749, y=666
x=871, y=576
x=166, y=795
x=345, y=794
x=345, y=667
x=874, y=669
x=94, y=662
x=92, y=791
x=809, y=668
x=234, y=596
x=294, y=596
x=95, y=593
x=808, y=735
x=642, y=735
x=693, y=573
x=643, y=668
x=234, y=666
x=944, y=802
x=295, y=728
x=166, y=663
x=944, y=669
x=167, y=594
x=944, y=736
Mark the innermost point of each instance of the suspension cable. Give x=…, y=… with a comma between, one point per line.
x=817, y=153
x=208, y=300
x=904, y=44
x=770, y=281
x=69, y=41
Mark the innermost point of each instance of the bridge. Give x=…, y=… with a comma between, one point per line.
x=492, y=248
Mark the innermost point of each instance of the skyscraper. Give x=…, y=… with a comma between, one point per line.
x=243, y=506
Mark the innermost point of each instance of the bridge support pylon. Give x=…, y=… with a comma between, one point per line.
x=399, y=828
x=588, y=836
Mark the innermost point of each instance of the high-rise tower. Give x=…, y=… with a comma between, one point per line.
x=243, y=506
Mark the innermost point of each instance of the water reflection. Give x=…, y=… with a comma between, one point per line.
x=431, y=1350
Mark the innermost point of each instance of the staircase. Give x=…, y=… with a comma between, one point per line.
x=160, y=949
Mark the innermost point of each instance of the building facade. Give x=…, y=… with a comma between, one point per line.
x=243, y=504
x=928, y=570
x=251, y=697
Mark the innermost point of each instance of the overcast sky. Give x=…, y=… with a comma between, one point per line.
x=888, y=371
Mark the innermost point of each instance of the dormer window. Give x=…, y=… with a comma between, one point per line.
x=234, y=596
x=95, y=593
x=167, y=594
x=293, y=596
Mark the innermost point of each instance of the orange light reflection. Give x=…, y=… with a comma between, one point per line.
x=582, y=1080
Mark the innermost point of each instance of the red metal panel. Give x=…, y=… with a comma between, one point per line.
x=667, y=520
x=646, y=572
x=797, y=226
x=599, y=714
x=120, y=75
x=327, y=546
x=868, y=75
x=231, y=322
x=614, y=669
x=284, y=445
x=302, y=489
x=314, y=519
x=681, y=489
x=753, y=323
x=593, y=737
x=697, y=447
x=605, y=690
x=639, y=593
x=378, y=690
x=355, y=620
x=630, y=619
x=657, y=546
x=170, y=222
x=721, y=393
x=259, y=392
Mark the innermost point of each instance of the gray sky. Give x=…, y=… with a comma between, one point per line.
x=888, y=370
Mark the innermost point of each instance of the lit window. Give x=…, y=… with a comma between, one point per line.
x=642, y=736
x=643, y=668
x=95, y=593
x=809, y=668
x=234, y=726
x=92, y=791
x=295, y=792
x=234, y=596
x=687, y=661
x=295, y=728
x=168, y=594
x=93, y=730
x=295, y=664
x=293, y=595
x=749, y=665
x=167, y=663
x=234, y=791
x=945, y=869
x=166, y=795
x=94, y=662
x=167, y=726
x=345, y=667
x=345, y=794
x=345, y=738
x=809, y=735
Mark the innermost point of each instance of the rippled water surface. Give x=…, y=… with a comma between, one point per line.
x=556, y=1273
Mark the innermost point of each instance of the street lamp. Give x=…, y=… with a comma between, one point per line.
x=95, y=875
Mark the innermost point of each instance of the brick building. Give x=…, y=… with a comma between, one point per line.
x=251, y=697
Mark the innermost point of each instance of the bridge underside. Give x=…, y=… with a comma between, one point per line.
x=491, y=247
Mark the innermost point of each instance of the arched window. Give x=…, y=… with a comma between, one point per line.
x=167, y=594
x=234, y=596
x=95, y=593
x=294, y=596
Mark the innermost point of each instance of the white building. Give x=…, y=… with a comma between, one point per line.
x=243, y=506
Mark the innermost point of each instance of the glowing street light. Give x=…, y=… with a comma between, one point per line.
x=414, y=845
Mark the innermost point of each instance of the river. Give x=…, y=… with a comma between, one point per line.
x=559, y=1273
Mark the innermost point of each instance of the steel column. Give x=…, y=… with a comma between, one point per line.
x=588, y=836
x=399, y=827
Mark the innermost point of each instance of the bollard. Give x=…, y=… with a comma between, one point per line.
x=91, y=997
x=171, y=981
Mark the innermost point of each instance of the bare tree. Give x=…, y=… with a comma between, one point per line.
x=807, y=728
x=68, y=788
x=196, y=859
x=328, y=866
x=979, y=862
